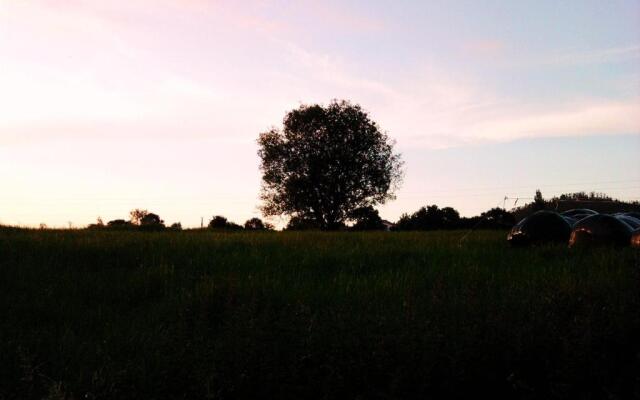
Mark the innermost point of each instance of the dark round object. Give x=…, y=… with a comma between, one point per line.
x=540, y=227
x=579, y=211
x=600, y=229
x=635, y=239
x=629, y=220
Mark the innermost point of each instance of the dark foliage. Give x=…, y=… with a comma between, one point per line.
x=429, y=218
x=497, y=218
x=366, y=219
x=538, y=201
x=325, y=163
x=140, y=219
x=120, y=224
x=98, y=225
x=151, y=221
x=583, y=196
x=299, y=223
x=220, y=222
x=434, y=218
x=256, y=224
x=136, y=216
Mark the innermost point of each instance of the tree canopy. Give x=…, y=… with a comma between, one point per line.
x=326, y=162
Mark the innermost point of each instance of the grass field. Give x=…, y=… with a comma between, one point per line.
x=100, y=315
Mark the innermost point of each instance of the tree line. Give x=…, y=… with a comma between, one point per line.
x=363, y=219
x=140, y=219
x=367, y=218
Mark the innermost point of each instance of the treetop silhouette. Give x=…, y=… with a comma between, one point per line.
x=326, y=162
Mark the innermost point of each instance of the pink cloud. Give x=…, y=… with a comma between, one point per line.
x=342, y=17
x=485, y=47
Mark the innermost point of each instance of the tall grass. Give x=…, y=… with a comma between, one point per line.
x=98, y=315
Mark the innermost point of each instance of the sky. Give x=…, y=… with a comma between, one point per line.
x=110, y=106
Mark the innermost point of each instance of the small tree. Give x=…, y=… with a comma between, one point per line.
x=120, y=224
x=538, y=201
x=151, y=221
x=136, y=216
x=256, y=224
x=98, y=225
x=429, y=218
x=325, y=163
x=498, y=218
x=220, y=222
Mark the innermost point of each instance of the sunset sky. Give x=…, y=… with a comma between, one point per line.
x=107, y=106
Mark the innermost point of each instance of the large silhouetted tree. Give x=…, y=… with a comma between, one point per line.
x=325, y=163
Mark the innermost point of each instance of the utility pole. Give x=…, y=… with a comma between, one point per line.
x=201, y=222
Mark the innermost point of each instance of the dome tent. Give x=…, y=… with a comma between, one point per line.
x=634, y=214
x=634, y=223
x=540, y=227
x=579, y=211
x=577, y=214
x=600, y=229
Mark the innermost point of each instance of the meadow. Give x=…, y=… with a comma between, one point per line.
x=312, y=315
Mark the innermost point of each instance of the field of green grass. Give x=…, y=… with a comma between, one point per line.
x=127, y=315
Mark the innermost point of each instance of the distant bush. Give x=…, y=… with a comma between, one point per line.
x=151, y=221
x=256, y=224
x=98, y=225
x=366, y=219
x=434, y=218
x=429, y=218
x=120, y=224
x=220, y=222
x=497, y=218
x=298, y=223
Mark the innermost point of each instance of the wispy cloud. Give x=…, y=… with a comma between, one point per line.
x=586, y=57
x=107, y=70
x=593, y=117
x=485, y=47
